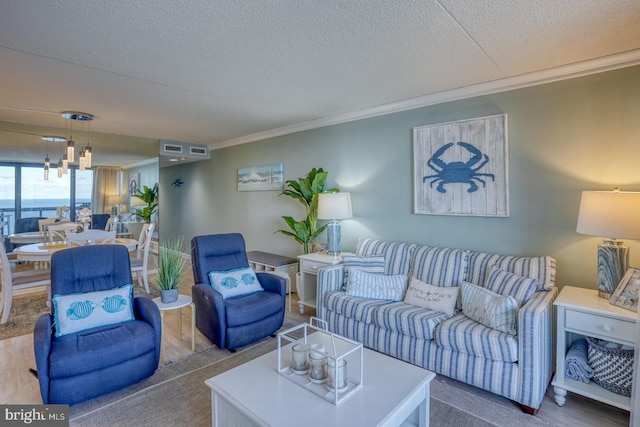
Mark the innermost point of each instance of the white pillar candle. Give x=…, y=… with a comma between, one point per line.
x=300, y=356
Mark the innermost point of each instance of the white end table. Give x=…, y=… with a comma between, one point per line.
x=581, y=312
x=308, y=285
x=182, y=301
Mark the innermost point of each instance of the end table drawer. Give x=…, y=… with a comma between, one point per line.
x=601, y=325
x=312, y=266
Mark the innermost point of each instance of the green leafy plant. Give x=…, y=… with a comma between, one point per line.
x=170, y=263
x=306, y=191
x=149, y=195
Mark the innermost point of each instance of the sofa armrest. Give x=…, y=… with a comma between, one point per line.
x=210, y=313
x=536, y=337
x=273, y=283
x=330, y=279
x=42, y=334
x=145, y=309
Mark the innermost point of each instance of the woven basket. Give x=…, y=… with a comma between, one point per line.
x=612, y=367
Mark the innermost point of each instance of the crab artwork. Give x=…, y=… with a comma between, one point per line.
x=458, y=172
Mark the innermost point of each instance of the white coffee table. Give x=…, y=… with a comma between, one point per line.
x=182, y=301
x=254, y=394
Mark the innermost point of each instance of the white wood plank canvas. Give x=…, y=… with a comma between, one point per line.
x=461, y=168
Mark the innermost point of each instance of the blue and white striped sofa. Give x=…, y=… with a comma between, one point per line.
x=517, y=367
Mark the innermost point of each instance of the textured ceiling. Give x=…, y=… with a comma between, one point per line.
x=215, y=72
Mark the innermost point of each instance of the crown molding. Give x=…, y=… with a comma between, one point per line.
x=579, y=69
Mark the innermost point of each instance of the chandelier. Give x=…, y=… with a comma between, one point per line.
x=84, y=157
x=67, y=152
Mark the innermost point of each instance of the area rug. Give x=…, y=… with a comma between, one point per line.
x=25, y=310
x=177, y=396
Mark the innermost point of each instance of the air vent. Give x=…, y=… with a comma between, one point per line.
x=198, y=151
x=170, y=148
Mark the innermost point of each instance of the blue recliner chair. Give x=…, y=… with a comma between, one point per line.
x=239, y=320
x=87, y=287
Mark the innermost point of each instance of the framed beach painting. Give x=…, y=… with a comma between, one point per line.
x=261, y=178
x=461, y=168
x=628, y=290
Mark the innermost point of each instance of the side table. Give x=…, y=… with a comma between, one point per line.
x=275, y=264
x=308, y=285
x=581, y=312
x=182, y=301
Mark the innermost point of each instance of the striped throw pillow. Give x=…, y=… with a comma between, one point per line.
x=370, y=264
x=376, y=286
x=505, y=283
x=499, y=312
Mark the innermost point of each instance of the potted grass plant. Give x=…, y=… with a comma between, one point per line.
x=169, y=264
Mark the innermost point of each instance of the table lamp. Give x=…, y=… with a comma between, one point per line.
x=114, y=201
x=611, y=215
x=334, y=206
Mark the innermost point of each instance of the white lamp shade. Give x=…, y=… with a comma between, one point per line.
x=334, y=206
x=136, y=201
x=610, y=214
x=113, y=200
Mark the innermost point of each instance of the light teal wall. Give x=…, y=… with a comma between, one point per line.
x=564, y=137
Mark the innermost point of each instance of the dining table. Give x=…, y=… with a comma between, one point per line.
x=42, y=252
x=26, y=237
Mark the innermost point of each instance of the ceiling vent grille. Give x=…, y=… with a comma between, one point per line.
x=173, y=148
x=198, y=151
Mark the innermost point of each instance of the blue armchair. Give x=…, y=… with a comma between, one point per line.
x=80, y=365
x=236, y=321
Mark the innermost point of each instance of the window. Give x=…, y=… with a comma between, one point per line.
x=24, y=192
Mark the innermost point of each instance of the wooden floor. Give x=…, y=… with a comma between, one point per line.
x=18, y=386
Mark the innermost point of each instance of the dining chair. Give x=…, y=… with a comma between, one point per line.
x=111, y=224
x=11, y=280
x=58, y=232
x=139, y=264
x=42, y=226
x=99, y=221
x=91, y=237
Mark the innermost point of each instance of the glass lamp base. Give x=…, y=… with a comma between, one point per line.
x=334, y=239
x=613, y=259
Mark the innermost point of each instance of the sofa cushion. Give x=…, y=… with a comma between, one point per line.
x=87, y=310
x=376, y=286
x=91, y=350
x=505, y=283
x=371, y=264
x=353, y=307
x=542, y=268
x=252, y=308
x=499, y=312
x=408, y=319
x=396, y=254
x=437, y=298
x=468, y=336
x=439, y=266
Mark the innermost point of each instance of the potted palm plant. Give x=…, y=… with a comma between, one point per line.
x=148, y=195
x=169, y=264
x=306, y=191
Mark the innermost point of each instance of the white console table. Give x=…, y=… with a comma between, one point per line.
x=308, y=285
x=580, y=313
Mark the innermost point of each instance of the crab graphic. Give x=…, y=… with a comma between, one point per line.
x=458, y=172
